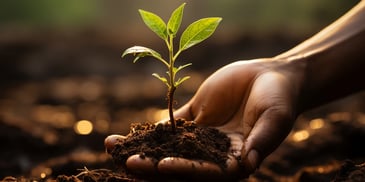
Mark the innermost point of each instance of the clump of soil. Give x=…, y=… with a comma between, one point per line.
x=349, y=171
x=188, y=141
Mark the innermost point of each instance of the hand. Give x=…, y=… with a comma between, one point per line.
x=256, y=102
x=253, y=102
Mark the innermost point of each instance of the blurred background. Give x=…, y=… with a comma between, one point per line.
x=64, y=86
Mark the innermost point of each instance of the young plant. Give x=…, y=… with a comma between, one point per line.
x=193, y=34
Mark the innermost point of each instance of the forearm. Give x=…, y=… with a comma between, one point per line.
x=333, y=60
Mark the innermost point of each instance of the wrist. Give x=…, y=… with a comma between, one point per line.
x=330, y=73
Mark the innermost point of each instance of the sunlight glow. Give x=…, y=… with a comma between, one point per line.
x=316, y=123
x=45, y=172
x=161, y=114
x=83, y=127
x=300, y=135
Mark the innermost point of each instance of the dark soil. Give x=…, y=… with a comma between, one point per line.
x=350, y=172
x=159, y=141
x=98, y=175
x=188, y=141
x=78, y=76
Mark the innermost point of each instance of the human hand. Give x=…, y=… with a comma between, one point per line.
x=253, y=102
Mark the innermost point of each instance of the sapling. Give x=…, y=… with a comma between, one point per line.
x=192, y=35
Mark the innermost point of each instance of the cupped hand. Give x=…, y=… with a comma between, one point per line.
x=253, y=102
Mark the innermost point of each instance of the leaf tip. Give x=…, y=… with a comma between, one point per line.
x=124, y=53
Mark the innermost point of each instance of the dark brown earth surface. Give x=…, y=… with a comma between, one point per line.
x=159, y=141
x=51, y=81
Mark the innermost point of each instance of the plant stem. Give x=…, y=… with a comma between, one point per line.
x=170, y=99
x=172, y=88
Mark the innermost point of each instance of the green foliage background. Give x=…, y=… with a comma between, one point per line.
x=247, y=15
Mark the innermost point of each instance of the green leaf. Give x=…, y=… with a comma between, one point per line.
x=181, y=67
x=180, y=80
x=174, y=22
x=155, y=23
x=161, y=78
x=140, y=51
x=198, y=31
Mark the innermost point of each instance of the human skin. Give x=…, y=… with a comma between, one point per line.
x=256, y=102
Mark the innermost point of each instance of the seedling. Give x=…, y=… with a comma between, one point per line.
x=193, y=34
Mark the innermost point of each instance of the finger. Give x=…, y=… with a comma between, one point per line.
x=267, y=121
x=184, y=112
x=232, y=166
x=141, y=165
x=111, y=140
x=181, y=166
x=202, y=170
x=236, y=143
x=269, y=131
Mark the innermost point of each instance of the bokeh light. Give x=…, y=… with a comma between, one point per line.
x=83, y=127
x=316, y=123
x=300, y=135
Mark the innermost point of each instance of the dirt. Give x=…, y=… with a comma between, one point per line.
x=47, y=74
x=98, y=175
x=159, y=141
x=156, y=141
x=350, y=172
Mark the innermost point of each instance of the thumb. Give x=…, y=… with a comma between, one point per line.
x=267, y=134
x=184, y=112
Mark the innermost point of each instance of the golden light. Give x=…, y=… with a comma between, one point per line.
x=161, y=114
x=316, y=123
x=320, y=170
x=300, y=135
x=45, y=172
x=83, y=127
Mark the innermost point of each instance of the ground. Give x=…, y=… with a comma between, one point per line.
x=45, y=90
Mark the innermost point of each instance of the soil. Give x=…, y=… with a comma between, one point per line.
x=187, y=141
x=350, y=172
x=97, y=175
x=50, y=80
